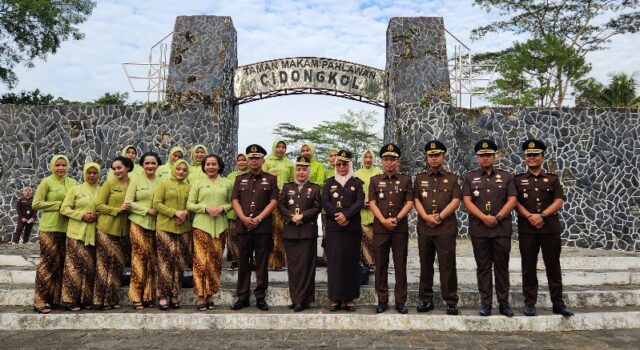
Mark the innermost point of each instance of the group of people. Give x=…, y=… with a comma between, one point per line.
x=166, y=218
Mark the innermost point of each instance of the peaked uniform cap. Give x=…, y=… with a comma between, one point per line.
x=344, y=156
x=255, y=150
x=435, y=147
x=302, y=160
x=390, y=150
x=533, y=146
x=485, y=146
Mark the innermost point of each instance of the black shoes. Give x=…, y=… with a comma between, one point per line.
x=485, y=310
x=562, y=310
x=505, y=309
x=382, y=307
x=240, y=304
x=452, y=309
x=262, y=305
x=529, y=310
x=402, y=308
x=300, y=307
x=425, y=307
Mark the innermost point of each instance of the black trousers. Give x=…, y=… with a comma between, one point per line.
x=551, y=245
x=445, y=248
x=398, y=243
x=492, y=255
x=261, y=244
x=24, y=229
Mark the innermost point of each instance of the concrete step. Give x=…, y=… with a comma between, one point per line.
x=278, y=295
x=594, y=263
x=569, y=277
x=316, y=318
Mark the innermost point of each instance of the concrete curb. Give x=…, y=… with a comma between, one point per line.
x=279, y=296
x=465, y=277
x=320, y=321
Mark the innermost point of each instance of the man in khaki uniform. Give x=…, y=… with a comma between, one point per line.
x=540, y=197
x=437, y=196
x=390, y=200
x=489, y=195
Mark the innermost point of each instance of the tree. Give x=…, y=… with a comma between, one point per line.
x=117, y=98
x=352, y=132
x=31, y=29
x=534, y=73
x=583, y=25
x=26, y=98
x=620, y=92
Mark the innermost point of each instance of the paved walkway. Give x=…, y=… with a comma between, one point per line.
x=218, y=339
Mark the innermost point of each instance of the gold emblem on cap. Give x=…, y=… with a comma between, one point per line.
x=433, y=145
x=254, y=149
x=485, y=145
x=390, y=148
x=532, y=144
x=343, y=154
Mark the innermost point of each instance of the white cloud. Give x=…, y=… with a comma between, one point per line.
x=122, y=31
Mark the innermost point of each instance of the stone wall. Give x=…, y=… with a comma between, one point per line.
x=30, y=135
x=596, y=152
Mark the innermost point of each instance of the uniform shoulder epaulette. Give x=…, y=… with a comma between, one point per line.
x=424, y=172
x=519, y=174
x=552, y=174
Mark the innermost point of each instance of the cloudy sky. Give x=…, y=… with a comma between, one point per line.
x=123, y=31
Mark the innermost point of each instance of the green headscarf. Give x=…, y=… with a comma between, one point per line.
x=194, y=162
x=52, y=163
x=174, y=150
x=174, y=167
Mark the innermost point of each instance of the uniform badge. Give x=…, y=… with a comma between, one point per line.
x=335, y=194
x=264, y=179
x=498, y=176
x=498, y=180
x=353, y=188
x=525, y=195
x=290, y=201
x=398, y=182
x=545, y=180
x=424, y=194
x=476, y=193
x=381, y=195
x=445, y=181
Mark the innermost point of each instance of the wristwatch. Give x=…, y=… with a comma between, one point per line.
x=543, y=215
x=499, y=218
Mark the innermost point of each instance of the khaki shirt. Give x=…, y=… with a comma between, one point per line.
x=390, y=194
x=536, y=193
x=489, y=192
x=435, y=190
x=254, y=192
x=305, y=201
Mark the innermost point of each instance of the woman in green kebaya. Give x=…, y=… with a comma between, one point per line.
x=173, y=231
x=210, y=199
x=79, y=206
x=316, y=168
x=143, y=232
x=365, y=173
x=112, y=239
x=164, y=171
x=53, y=226
x=198, y=152
x=232, y=244
x=132, y=153
x=279, y=165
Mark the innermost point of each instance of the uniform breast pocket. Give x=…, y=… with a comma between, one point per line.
x=266, y=187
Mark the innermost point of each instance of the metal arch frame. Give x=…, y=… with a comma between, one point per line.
x=310, y=91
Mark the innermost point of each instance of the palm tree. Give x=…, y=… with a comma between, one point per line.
x=621, y=92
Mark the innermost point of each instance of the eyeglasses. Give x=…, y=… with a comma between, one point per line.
x=341, y=164
x=533, y=155
x=485, y=155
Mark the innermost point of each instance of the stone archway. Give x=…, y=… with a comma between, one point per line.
x=413, y=88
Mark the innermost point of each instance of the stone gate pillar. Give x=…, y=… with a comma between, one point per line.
x=204, y=55
x=418, y=81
